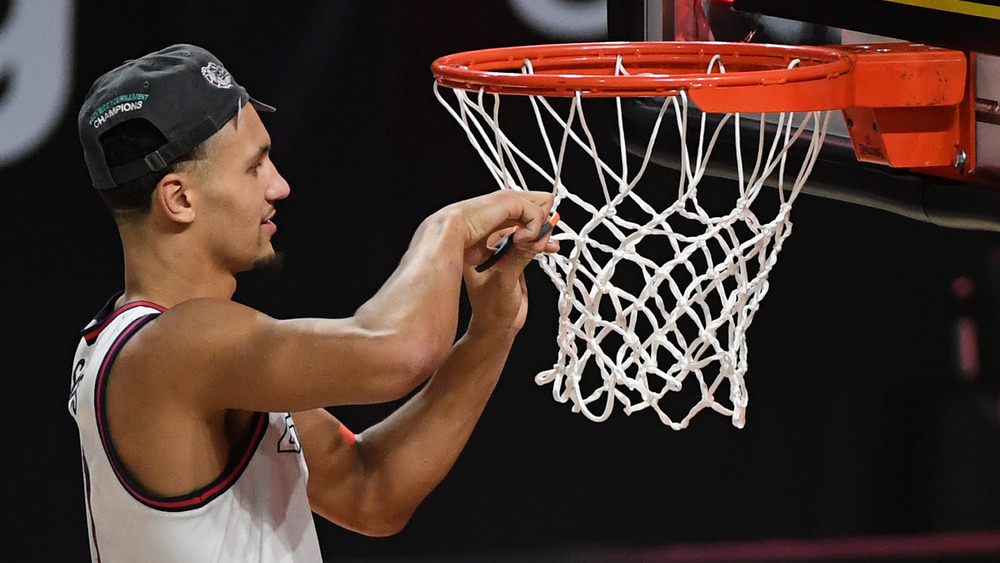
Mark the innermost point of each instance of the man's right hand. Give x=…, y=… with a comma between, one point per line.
x=483, y=217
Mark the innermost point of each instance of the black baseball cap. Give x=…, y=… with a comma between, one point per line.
x=183, y=90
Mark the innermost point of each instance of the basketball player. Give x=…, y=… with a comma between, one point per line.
x=182, y=395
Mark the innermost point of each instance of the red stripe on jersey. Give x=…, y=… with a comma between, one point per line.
x=222, y=484
x=202, y=496
x=100, y=387
x=93, y=333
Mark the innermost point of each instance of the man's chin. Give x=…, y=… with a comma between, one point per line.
x=269, y=264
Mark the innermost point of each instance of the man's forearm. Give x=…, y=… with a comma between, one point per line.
x=411, y=451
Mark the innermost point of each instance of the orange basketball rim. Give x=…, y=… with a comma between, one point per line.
x=906, y=105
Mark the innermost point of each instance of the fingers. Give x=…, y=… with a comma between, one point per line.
x=534, y=226
x=508, y=244
x=488, y=214
x=497, y=288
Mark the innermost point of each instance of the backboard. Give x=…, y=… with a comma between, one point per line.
x=969, y=200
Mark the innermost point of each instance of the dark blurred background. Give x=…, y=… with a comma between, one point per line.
x=861, y=422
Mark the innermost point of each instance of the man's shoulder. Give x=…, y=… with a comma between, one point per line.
x=193, y=329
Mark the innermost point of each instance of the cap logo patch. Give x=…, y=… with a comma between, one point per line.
x=217, y=75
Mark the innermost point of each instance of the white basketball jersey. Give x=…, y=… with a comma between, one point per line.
x=256, y=511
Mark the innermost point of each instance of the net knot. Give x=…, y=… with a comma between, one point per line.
x=633, y=342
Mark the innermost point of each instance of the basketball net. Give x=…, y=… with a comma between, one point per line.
x=656, y=288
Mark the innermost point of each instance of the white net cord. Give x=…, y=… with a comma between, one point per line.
x=655, y=294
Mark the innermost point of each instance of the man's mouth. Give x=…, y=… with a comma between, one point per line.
x=268, y=221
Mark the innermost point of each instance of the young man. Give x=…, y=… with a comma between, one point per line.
x=181, y=395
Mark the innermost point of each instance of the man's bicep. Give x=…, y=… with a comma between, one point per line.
x=230, y=356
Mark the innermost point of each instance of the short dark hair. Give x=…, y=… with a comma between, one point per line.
x=130, y=141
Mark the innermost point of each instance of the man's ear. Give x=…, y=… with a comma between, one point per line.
x=175, y=198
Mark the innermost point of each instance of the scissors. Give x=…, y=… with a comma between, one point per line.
x=506, y=243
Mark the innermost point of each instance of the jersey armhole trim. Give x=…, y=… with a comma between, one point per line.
x=95, y=328
x=190, y=501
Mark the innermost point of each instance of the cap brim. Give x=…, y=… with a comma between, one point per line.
x=261, y=106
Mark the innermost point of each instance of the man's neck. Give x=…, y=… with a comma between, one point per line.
x=161, y=273
x=168, y=296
